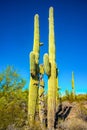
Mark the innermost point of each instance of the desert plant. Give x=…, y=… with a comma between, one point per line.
x=83, y=113
x=34, y=71
x=41, y=98
x=13, y=99
x=73, y=86
x=50, y=70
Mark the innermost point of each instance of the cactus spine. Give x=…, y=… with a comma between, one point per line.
x=73, y=86
x=50, y=69
x=34, y=77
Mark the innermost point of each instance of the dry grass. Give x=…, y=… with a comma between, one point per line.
x=74, y=124
x=77, y=119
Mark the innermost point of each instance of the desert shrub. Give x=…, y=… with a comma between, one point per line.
x=78, y=126
x=81, y=97
x=13, y=100
x=73, y=124
x=83, y=113
x=68, y=96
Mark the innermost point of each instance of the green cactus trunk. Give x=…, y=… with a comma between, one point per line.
x=52, y=77
x=51, y=97
x=34, y=77
x=41, y=99
x=50, y=70
x=73, y=86
x=57, y=90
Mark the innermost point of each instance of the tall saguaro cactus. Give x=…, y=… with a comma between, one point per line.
x=73, y=86
x=34, y=71
x=50, y=69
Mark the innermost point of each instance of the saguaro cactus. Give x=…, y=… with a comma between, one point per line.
x=50, y=70
x=41, y=98
x=34, y=69
x=73, y=86
x=57, y=89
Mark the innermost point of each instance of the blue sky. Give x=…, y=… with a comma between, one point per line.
x=16, y=37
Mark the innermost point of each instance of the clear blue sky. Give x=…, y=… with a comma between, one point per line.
x=16, y=37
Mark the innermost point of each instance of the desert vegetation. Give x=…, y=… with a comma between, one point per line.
x=14, y=106
x=33, y=109
x=13, y=100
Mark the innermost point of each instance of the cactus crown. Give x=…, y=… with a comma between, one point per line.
x=51, y=35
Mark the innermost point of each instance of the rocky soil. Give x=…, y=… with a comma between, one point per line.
x=69, y=116
x=76, y=119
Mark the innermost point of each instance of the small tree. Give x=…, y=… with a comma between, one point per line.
x=13, y=100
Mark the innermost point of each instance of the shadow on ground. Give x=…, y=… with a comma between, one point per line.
x=62, y=113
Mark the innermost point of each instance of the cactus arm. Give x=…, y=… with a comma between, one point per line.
x=32, y=64
x=47, y=66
